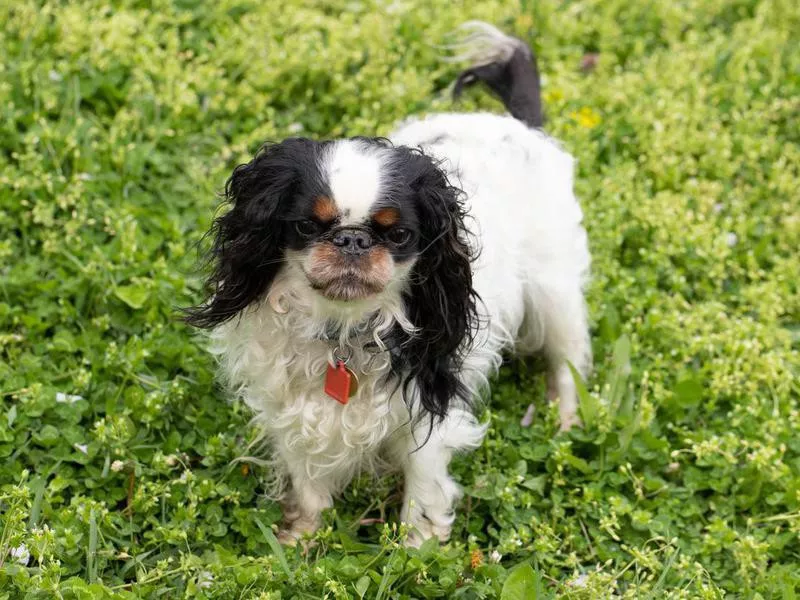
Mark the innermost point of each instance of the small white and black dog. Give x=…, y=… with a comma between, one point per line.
x=364, y=289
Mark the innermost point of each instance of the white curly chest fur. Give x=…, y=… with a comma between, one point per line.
x=277, y=361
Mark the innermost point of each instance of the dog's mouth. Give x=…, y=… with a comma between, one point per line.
x=343, y=277
x=346, y=287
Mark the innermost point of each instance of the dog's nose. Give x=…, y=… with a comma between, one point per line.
x=352, y=241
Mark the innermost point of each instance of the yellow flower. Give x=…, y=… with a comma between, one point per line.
x=586, y=117
x=524, y=21
x=553, y=96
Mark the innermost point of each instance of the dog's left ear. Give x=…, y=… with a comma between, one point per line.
x=248, y=244
x=440, y=301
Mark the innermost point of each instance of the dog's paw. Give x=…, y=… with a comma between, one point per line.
x=527, y=419
x=288, y=537
x=291, y=538
x=424, y=530
x=570, y=420
x=293, y=530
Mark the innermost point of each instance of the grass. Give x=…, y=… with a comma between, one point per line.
x=120, y=122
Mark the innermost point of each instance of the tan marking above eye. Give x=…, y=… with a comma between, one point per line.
x=386, y=217
x=325, y=209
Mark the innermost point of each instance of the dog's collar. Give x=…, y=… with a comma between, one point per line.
x=341, y=381
x=339, y=352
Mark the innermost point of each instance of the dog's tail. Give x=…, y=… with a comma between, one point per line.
x=506, y=65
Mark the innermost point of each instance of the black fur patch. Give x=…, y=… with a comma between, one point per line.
x=250, y=239
x=440, y=300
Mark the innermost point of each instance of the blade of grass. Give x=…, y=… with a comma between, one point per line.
x=277, y=550
x=618, y=377
x=387, y=572
x=36, y=508
x=588, y=405
x=91, y=558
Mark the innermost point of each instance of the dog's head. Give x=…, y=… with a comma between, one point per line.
x=352, y=221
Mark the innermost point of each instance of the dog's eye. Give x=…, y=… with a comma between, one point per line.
x=398, y=236
x=306, y=227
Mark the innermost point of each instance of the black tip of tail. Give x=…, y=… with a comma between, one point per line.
x=514, y=78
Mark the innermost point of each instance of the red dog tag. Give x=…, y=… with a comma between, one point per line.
x=340, y=382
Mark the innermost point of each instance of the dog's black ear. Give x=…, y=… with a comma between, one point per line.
x=440, y=301
x=248, y=240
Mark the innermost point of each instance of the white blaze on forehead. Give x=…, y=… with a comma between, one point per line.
x=354, y=175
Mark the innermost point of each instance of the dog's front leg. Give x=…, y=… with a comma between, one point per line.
x=430, y=492
x=430, y=495
x=302, y=508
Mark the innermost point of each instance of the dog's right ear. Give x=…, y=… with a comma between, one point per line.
x=248, y=246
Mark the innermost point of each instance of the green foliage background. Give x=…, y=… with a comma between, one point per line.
x=119, y=122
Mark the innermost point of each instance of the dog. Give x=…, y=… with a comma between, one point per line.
x=364, y=289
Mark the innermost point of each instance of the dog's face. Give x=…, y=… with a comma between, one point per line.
x=353, y=224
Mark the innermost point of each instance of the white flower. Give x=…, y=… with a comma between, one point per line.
x=82, y=447
x=63, y=398
x=117, y=466
x=580, y=581
x=731, y=239
x=295, y=128
x=21, y=554
x=205, y=579
x=495, y=556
